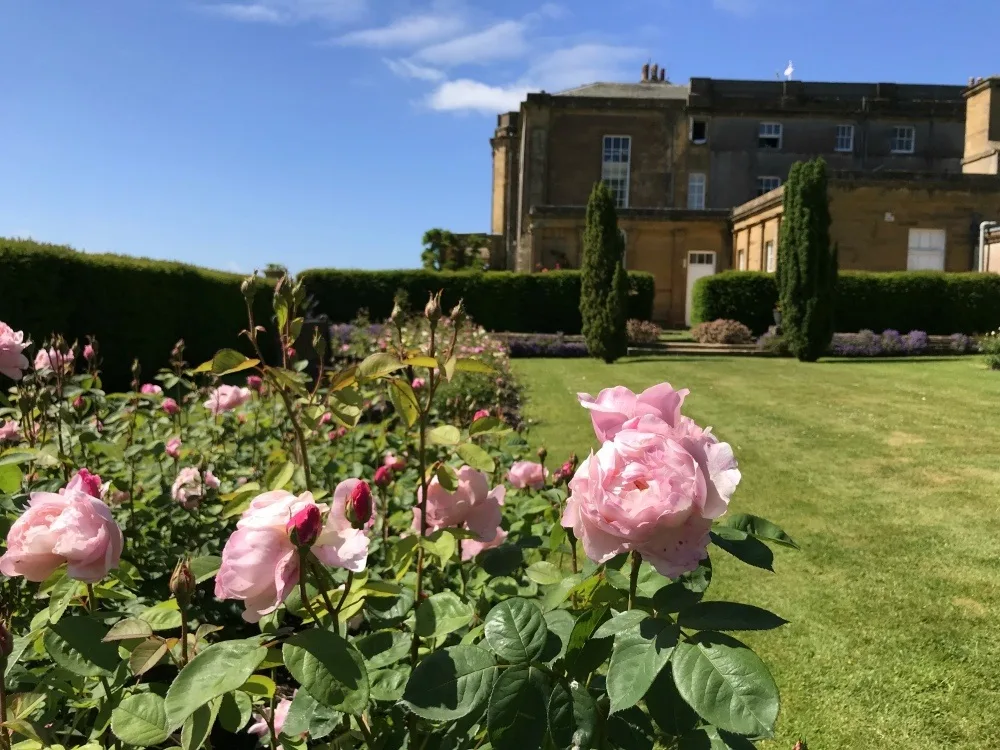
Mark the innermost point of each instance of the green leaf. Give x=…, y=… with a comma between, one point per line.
x=259, y=685
x=474, y=365
x=487, y=425
x=110, y=450
x=383, y=648
x=306, y=715
x=441, y=544
x=147, y=655
x=378, y=365
x=447, y=477
x=710, y=738
x=23, y=705
x=405, y=401
x=630, y=730
x=279, y=475
x=140, y=720
x=445, y=434
x=235, y=711
x=162, y=616
x=502, y=560
x=127, y=629
x=205, y=567
x=758, y=527
x=621, y=622
x=61, y=595
x=198, y=725
x=441, y=614
x=10, y=478
x=450, y=683
x=229, y=361
x=572, y=717
x=728, y=616
x=346, y=406
x=667, y=709
x=639, y=655
x=74, y=643
x=544, y=573
x=516, y=631
x=726, y=683
x=219, y=669
x=516, y=717
x=749, y=549
x=329, y=668
x=428, y=362
x=560, y=624
x=476, y=457
x=557, y=594
x=19, y=456
x=389, y=684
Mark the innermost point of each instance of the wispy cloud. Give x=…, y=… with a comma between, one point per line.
x=248, y=13
x=409, y=31
x=289, y=11
x=736, y=7
x=466, y=95
x=408, y=69
x=502, y=41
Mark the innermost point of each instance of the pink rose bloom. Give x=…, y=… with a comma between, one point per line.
x=613, y=406
x=472, y=505
x=12, y=362
x=260, y=564
x=326, y=418
x=174, y=448
x=52, y=359
x=481, y=414
x=394, y=462
x=210, y=480
x=654, y=489
x=227, y=398
x=524, y=474
x=418, y=383
x=88, y=352
x=73, y=528
x=345, y=347
x=151, y=389
x=10, y=432
x=170, y=406
x=190, y=487
x=85, y=482
x=260, y=727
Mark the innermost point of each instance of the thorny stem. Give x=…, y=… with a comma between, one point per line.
x=424, y=413
x=343, y=598
x=633, y=580
x=572, y=547
x=184, y=635
x=303, y=594
x=326, y=596
x=366, y=732
x=270, y=721
x=91, y=597
x=4, y=736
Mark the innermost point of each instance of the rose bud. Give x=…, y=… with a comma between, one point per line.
x=291, y=352
x=170, y=406
x=78, y=403
x=542, y=454
x=432, y=311
x=304, y=527
x=383, y=476
x=359, y=509
x=182, y=582
x=481, y=414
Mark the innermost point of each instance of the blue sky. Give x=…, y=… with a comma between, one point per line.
x=334, y=132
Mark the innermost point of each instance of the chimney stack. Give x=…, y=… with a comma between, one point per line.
x=663, y=74
x=655, y=72
x=645, y=73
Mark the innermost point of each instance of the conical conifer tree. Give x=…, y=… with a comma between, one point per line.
x=602, y=300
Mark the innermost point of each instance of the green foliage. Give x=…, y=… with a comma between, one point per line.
x=447, y=251
x=499, y=300
x=602, y=287
x=932, y=301
x=136, y=308
x=807, y=269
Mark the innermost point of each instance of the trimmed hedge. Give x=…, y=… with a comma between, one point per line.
x=134, y=306
x=497, y=300
x=932, y=301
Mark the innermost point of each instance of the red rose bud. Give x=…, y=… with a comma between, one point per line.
x=304, y=527
x=291, y=352
x=383, y=476
x=78, y=403
x=254, y=382
x=182, y=582
x=481, y=414
x=359, y=509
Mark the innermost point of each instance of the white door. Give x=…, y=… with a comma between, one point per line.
x=926, y=250
x=699, y=264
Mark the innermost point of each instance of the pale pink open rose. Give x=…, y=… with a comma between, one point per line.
x=10, y=431
x=227, y=398
x=151, y=389
x=71, y=527
x=473, y=505
x=191, y=486
x=170, y=406
x=12, y=362
x=525, y=474
x=260, y=563
x=52, y=359
x=260, y=726
x=614, y=406
x=653, y=489
x=394, y=462
x=173, y=448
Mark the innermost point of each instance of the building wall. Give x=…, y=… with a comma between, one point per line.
x=991, y=253
x=750, y=234
x=982, y=128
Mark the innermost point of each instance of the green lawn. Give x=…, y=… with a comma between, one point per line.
x=888, y=475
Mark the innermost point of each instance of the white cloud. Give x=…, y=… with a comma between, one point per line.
x=290, y=11
x=407, y=69
x=737, y=7
x=465, y=95
x=249, y=13
x=504, y=40
x=409, y=31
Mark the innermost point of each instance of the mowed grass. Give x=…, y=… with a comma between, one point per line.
x=888, y=475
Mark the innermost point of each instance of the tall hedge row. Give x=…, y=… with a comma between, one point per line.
x=499, y=301
x=135, y=307
x=931, y=301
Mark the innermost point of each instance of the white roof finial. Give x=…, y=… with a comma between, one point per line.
x=789, y=71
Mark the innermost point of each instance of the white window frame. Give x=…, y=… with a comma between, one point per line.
x=741, y=260
x=616, y=172
x=697, y=191
x=770, y=130
x=691, y=130
x=844, y=141
x=902, y=143
x=922, y=244
x=770, y=257
x=761, y=189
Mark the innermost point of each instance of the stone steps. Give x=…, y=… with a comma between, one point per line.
x=692, y=348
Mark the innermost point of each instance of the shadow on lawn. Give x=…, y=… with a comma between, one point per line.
x=888, y=360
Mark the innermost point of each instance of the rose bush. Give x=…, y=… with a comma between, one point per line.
x=317, y=554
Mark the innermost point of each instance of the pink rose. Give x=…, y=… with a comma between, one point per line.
x=10, y=432
x=190, y=487
x=613, y=406
x=481, y=414
x=210, y=480
x=345, y=347
x=394, y=462
x=85, y=482
x=52, y=359
x=260, y=564
x=88, y=352
x=654, y=489
x=326, y=418
x=73, y=528
x=524, y=474
x=254, y=382
x=291, y=352
x=12, y=362
x=260, y=726
x=174, y=448
x=227, y=398
x=383, y=477
x=418, y=383
x=78, y=402
x=170, y=406
x=472, y=505
x=151, y=389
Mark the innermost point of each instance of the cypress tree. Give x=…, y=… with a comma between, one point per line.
x=604, y=284
x=807, y=266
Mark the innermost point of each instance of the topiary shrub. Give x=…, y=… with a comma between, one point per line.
x=747, y=296
x=642, y=332
x=603, y=289
x=722, y=332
